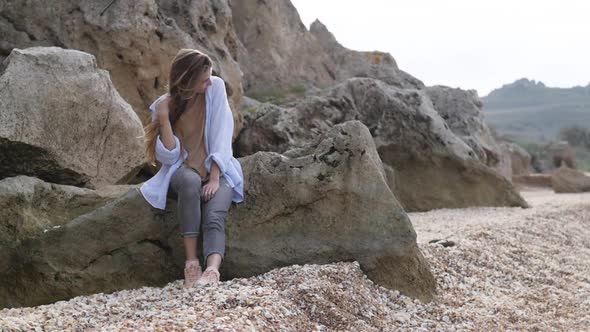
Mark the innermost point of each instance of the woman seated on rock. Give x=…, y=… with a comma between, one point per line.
x=191, y=136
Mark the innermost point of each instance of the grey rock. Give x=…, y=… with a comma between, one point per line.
x=327, y=201
x=520, y=159
x=134, y=40
x=278, y=51
x=434, y=167
x=349, y=63
x=568, y=180
x=64, y=122
x=462, y=111
x=330, y=202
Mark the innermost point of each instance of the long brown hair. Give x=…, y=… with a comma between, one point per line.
x=187, y=67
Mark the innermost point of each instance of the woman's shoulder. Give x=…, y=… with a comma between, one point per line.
x=217, y=82
x=217, y=90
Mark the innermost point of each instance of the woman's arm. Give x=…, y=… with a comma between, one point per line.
x=222, y=127
x=215, y=173
x=163, y=117
x=220, y=142
x=167, y=145
x=213, y=184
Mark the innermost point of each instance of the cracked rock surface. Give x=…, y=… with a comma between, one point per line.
x=135, y=41
x=64, y=122
x=326, y=202
x=434, y=168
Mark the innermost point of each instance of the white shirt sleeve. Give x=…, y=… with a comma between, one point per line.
x=221, y=130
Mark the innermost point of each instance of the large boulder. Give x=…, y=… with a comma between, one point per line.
x=322, y=203
x=553, y=155
x=32, y=209
x=64, y=122
x=116, y=246
x=349, y=63
x=562, y=154
x=515, y=161
x=461, y=110
x=134, y=40
x=328, y=201
x=29, y=206
x=568, y=180
x=279, y=55
x=278, y=50
x=520, y=159
x=433, y=167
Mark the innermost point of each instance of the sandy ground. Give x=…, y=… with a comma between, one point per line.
x=458, y=223
x=510, y=269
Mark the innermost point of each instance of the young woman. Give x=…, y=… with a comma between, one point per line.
x=191, y=136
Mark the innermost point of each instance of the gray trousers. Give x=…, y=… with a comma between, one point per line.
x=195, y=214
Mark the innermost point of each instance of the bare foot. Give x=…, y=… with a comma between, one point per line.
x=192, y=272
x=210, y=277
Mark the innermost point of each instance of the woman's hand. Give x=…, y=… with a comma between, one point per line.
x=210, y=189
x=162, y=109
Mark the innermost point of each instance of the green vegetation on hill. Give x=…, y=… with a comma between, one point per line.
x=532, y=111
x=525, y=93
x=279, y=96
x=537, y=123
x=533, y=115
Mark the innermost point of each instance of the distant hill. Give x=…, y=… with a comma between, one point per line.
x=531, y=110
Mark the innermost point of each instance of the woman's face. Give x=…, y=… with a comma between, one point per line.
x=204, y=82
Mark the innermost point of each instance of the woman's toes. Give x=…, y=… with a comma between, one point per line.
x=192, y=273
x=209, y=276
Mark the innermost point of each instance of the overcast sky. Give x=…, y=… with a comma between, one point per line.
x=471, y=44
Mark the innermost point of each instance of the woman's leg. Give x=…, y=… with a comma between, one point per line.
x=187, y=185
x=214, y=213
